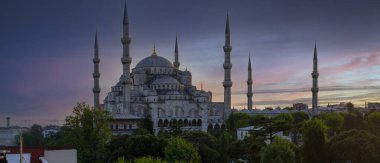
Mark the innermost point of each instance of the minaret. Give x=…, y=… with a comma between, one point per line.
x=249, y=83
x=315, y=75
x=176, y=62
x=126, y=60
x=96, y=74
x=227, y=83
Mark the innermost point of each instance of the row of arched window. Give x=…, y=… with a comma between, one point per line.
x=180, y=123
x=165, y=86
x=178, y=112
x=160, y=71
x=121, y=126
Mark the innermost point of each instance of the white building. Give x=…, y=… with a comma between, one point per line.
x=244, y=132
x=50, y=130
x=7, y=135
x=373, y=105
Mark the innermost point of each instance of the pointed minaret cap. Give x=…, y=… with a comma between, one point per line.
x=249, y=62
x=125, y=18
x=176, y=44
x=315, y=50
x=154, y=50
x=96, y=39
x=228, y=24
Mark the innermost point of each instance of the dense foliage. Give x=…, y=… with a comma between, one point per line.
x=353, y=136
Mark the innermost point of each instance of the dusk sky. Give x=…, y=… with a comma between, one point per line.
x=46, y=49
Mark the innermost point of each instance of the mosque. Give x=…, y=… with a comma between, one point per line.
x=159, y=89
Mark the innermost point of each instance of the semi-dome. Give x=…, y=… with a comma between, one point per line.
x=165, y=80
x=154, y=61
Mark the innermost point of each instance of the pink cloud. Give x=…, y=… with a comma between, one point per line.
x=367, y=61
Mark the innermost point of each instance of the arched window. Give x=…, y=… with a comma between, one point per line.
x=185, y=123
x=160, y=123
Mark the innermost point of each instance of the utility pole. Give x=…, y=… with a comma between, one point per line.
x=21, y=143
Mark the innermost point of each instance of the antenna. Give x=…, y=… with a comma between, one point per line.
x=25, y=121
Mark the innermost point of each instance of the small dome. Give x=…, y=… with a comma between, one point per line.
x=154, y=61
x=165, y=80
x=186, y=73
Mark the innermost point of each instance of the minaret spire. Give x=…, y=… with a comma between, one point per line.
x=227, y=83
x=176, y=62
x=126, y=61
x=249, y=84
x=154, y=50
x=315, y=76
x=96, y=74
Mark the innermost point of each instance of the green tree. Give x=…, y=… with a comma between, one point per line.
x=298, y=119
x=118, y=147
x=149, y=159
x=205, y=143
x=373, y=121
x=179, y=149
x=353, y=120
x=269, y=108
x=350, y=107
x=146, y=123
x=145, y=145
x=334, y=122
x=121, y=160
x=288, y=108
x=88, y=130
x=314, y=139
x=237, y=120
x=281, y=151
x=354, y=146
x=281, y=122
x=32, y=137
x=252, y=147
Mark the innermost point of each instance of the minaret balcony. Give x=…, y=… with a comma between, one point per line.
x=126, y=40
x=227, y=48
x=227, y=65
x=126, y=60
x=314, y=90
x=96, y=75
x=315, y=74
x=96, y=90
x=96, y=60
x=227, y=83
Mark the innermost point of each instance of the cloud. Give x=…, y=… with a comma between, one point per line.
x=356, y=63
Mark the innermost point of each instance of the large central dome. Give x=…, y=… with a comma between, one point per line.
x=154, y=61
